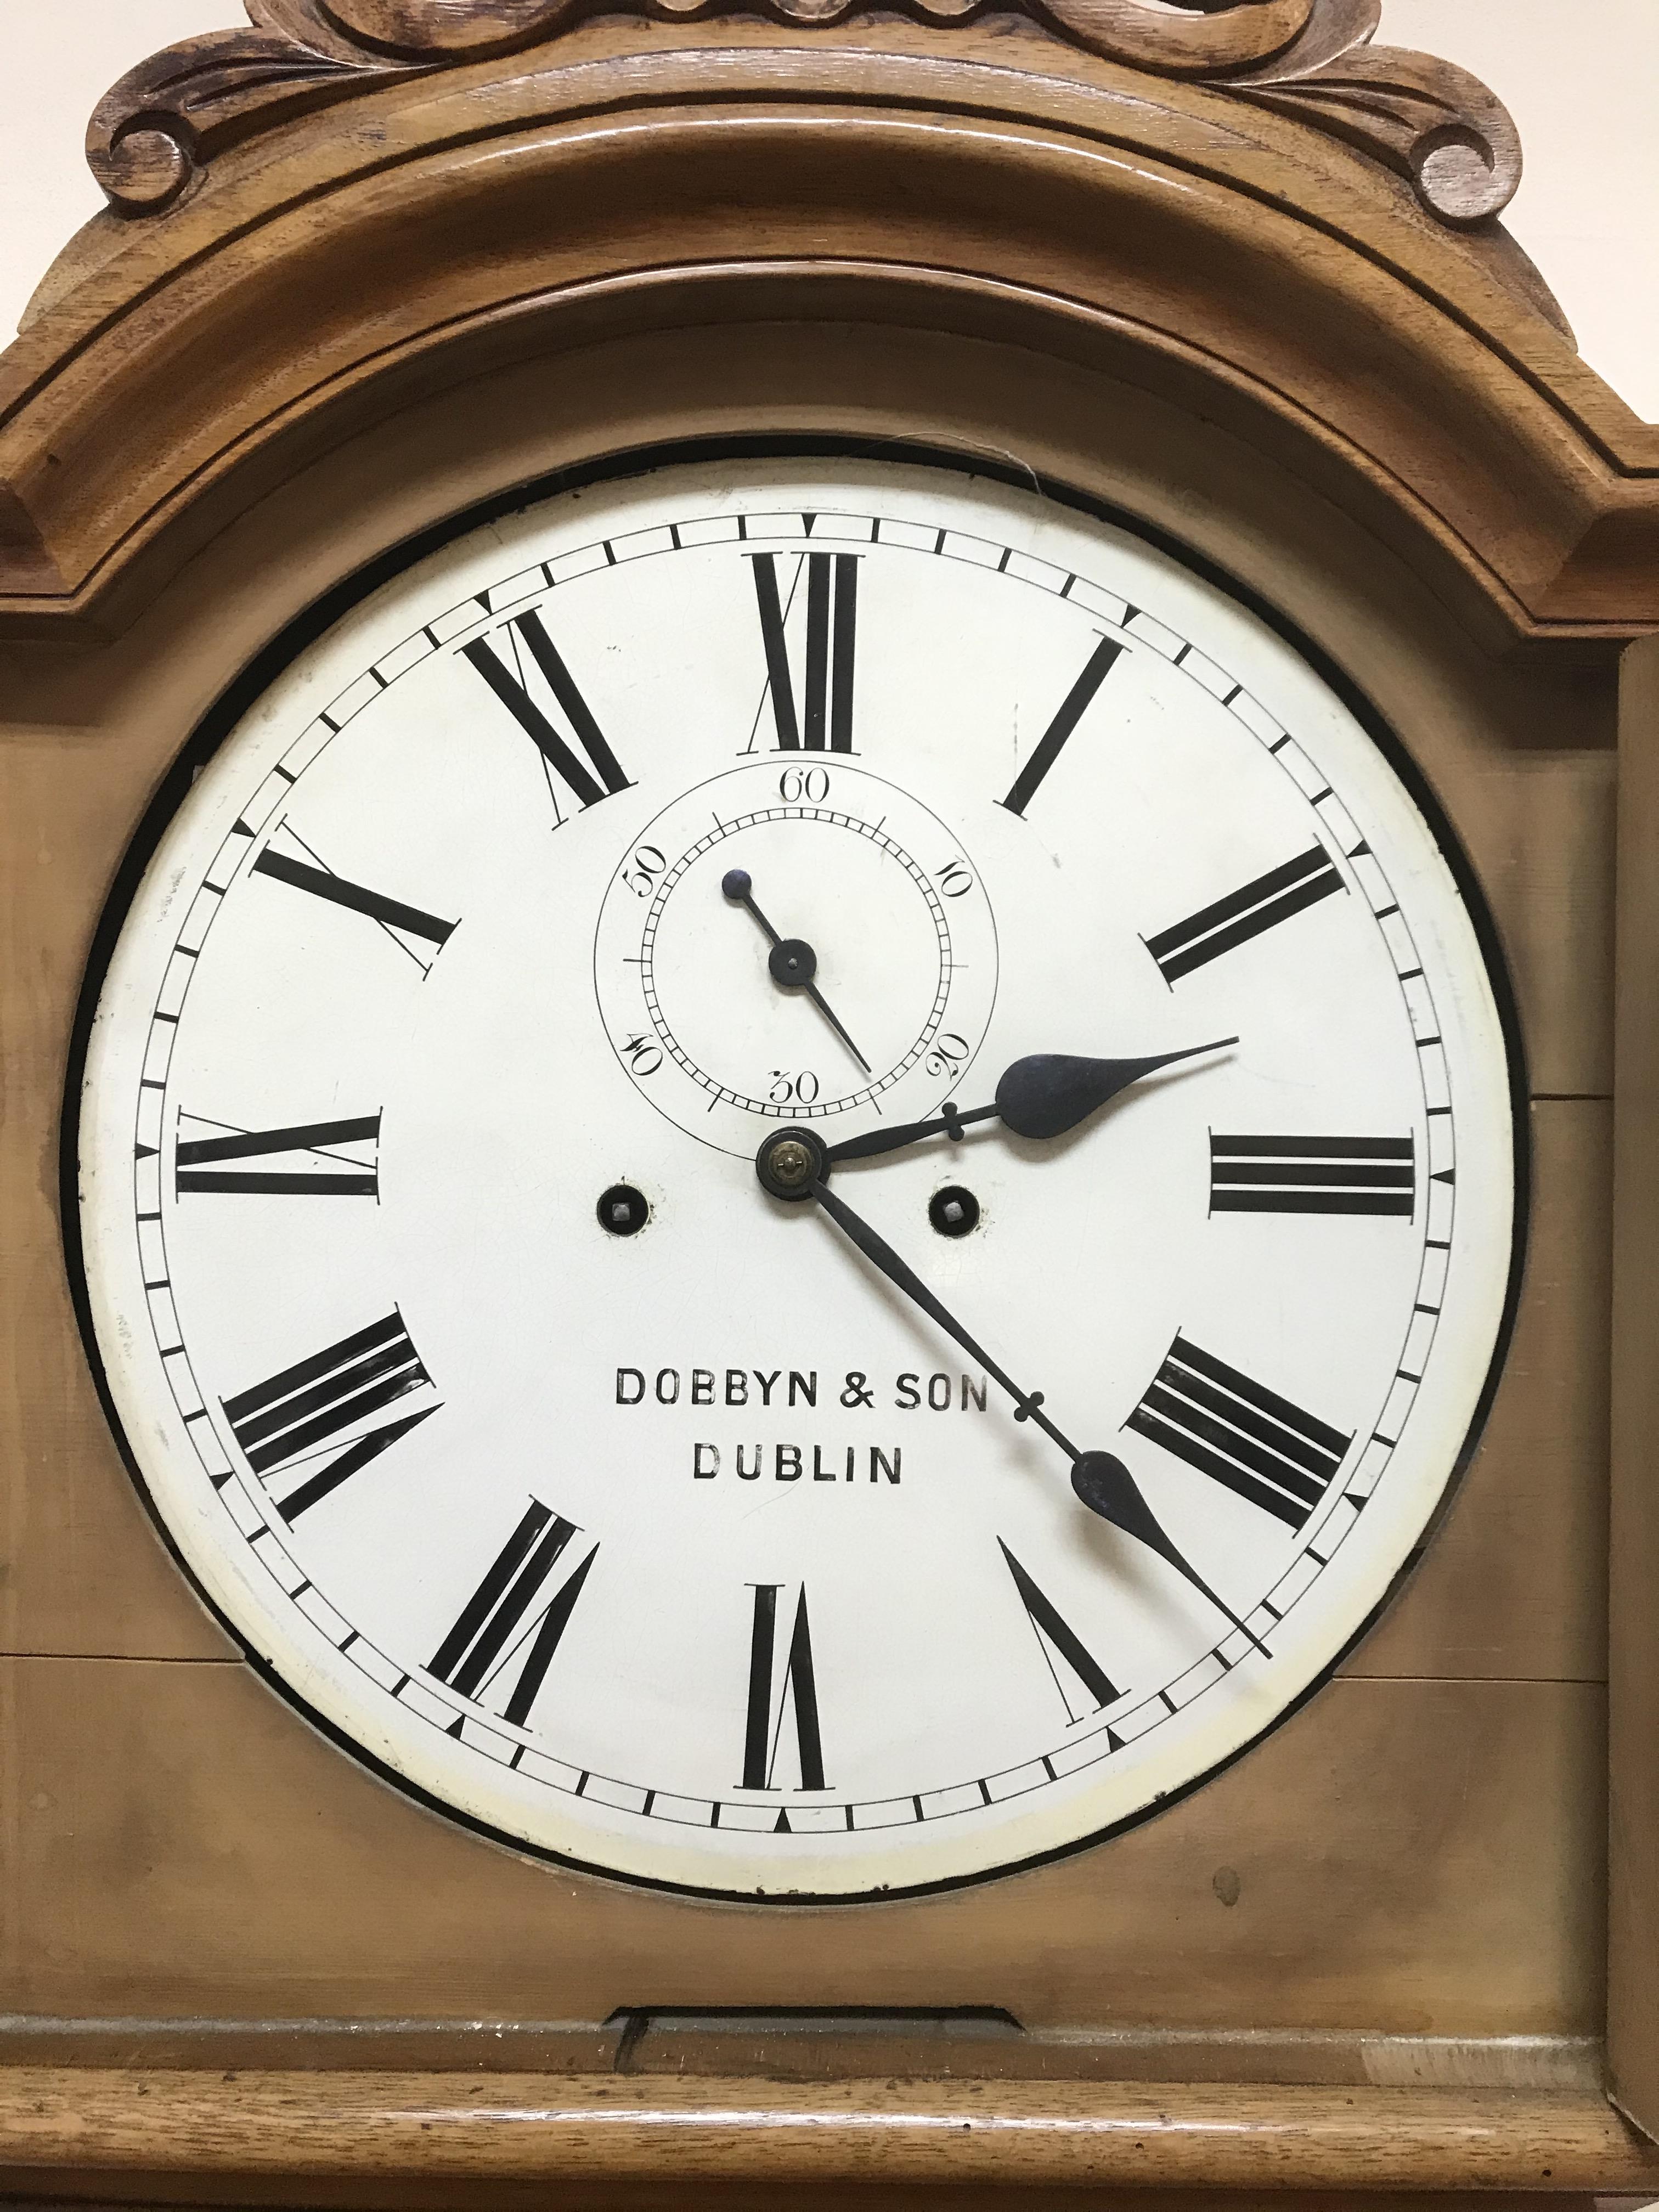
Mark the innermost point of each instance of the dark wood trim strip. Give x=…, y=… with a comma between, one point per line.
x=1633, y=1656
x=821, y=2046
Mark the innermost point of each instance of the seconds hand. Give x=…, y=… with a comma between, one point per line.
x=1102, y=1483
x=791, y=961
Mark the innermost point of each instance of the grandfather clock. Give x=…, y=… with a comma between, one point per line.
x=831, y=1153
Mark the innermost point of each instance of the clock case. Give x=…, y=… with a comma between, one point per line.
x=1236, y=275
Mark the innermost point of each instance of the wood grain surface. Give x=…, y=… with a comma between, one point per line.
x=1633, y=1991
x=538, y=2127
x=96, y=2192
x=153, y=135
x=322, y=275
x=799, y=2045
x=155, y=2191
x=137, y=2192
x=1417, y=1858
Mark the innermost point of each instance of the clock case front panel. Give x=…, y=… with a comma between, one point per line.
x=1332, y=1876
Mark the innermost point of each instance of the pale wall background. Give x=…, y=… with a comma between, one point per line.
x=1580, y=77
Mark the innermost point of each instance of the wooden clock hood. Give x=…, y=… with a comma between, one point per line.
x=370, y=264
x=1239, y=204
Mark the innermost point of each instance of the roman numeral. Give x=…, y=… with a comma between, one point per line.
x=325, y=1480
x=832, y=593
x=589, y=781
x=504, y=1605
x=1045, y=752
x=1245, y=913
x=1312, y=1175
x=281, y=1422
x=324, y=884
x=1055, y=1637
x=198, y=1167
x=1254, y=1442
x=796, y=1691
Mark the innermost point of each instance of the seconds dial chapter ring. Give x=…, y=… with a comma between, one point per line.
x=817, y=1104
x=794, y=922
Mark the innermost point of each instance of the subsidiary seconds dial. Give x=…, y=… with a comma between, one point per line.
x=797, y=1175
x=727, y=1022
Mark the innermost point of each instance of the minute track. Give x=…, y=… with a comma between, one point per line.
x=1194, y=1678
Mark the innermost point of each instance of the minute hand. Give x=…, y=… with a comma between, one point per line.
x=1104, y=1484
x=1043, y=1095
x=880, y=1253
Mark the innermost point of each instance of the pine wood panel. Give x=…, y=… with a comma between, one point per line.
x=185, y=1845
x=83, y=1565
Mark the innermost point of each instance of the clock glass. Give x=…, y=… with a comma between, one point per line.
x=797, y=1175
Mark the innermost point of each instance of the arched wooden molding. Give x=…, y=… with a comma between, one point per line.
x=494, y=191
x=152, y=134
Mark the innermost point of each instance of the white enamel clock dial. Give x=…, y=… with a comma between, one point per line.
x=644, y=1518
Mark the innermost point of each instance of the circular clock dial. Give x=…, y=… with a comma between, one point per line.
x=1137, y=1221
x=685, y=993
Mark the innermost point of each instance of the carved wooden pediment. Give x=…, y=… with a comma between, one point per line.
x=1245, y=200
x=1313, y=59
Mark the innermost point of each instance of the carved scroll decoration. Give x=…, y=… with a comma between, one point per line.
x=153, y=135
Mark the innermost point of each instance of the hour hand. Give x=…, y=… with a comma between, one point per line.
x=1043, y=1095
x=1048, y=1093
